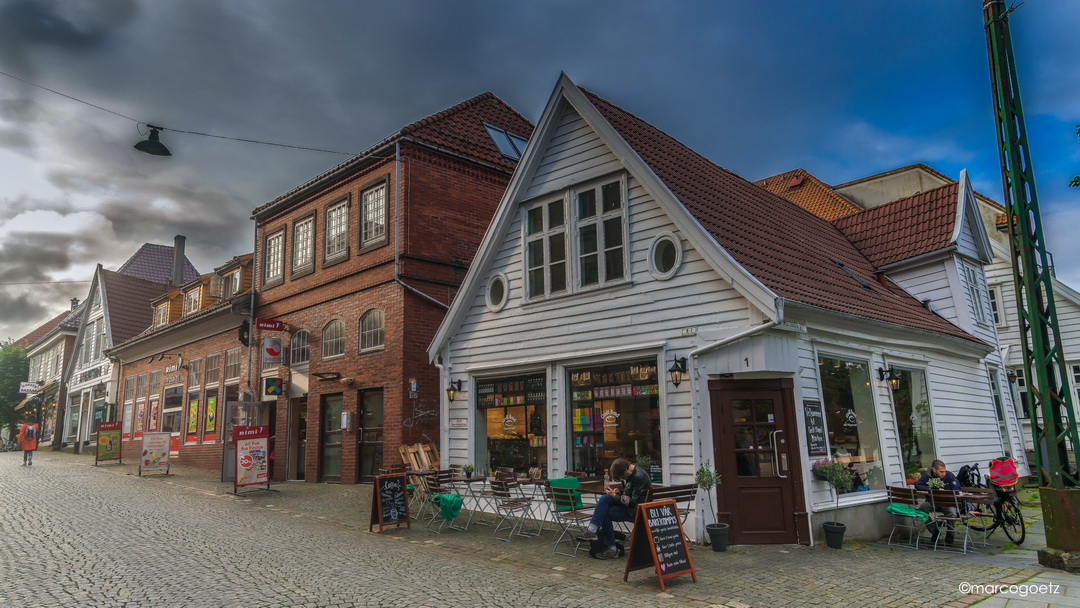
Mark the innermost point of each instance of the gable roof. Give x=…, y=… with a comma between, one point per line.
x=155, y=263
x=790, y=250
x=810, y=193
x=127, y=303
x=42, y=330
x=458, y=130
x=904, y=228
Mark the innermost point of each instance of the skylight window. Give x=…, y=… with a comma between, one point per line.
x=866, y=286
x=510, y=145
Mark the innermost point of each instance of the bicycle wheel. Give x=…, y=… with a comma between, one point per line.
x=1012, y=521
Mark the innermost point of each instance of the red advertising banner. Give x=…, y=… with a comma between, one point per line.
x=252, y=466
x=270, y=324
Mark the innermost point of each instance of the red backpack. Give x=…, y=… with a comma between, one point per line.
x=1003, y=472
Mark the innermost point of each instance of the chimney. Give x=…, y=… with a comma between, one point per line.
x=178, y=260
x=74, y=303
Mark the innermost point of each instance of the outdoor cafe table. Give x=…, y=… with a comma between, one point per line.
x=470, y=483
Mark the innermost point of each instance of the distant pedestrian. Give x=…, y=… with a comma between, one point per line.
x=28, y=438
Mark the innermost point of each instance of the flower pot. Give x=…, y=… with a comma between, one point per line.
x=834, y=534
x=718, y=535
x=818, y=476
x=468, y=474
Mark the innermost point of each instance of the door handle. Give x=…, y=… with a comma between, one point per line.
x=776, y=454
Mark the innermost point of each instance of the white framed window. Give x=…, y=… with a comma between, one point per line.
x=371, y=330
x=545, y=249
x=272, y=257
x=303, y=253
x=996, y=308
x=191, y=301
x=974, y=287
x=155, y=383
x=213, y=369
x=194, y=373
x=300, y=348
x=337, y=229
x=230, y=284
x=601, y=234
x=373, y=216
x=232, y=364
x=665, y=256
x=161, y=314
x=498, y=292
x=333, y=339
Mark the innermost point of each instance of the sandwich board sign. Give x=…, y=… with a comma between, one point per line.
x=155, y=452
x=658, y=542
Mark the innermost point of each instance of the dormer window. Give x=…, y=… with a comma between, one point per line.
x=161, y=314
x=510, y=145
x=191, y=301
x=230, y=285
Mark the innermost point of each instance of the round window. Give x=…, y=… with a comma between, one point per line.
x=665, y=256
x=496, y=293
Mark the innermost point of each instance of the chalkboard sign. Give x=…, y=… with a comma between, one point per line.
x=389, y=502
x=815, y=428
x=658, y=541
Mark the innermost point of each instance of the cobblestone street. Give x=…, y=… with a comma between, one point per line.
x=76, y=535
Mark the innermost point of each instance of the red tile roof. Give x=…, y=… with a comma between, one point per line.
x=788, y=249
x=155, y=263
x=904, y=228
x=128, y=303
x=810, y=193
x=458, y=130
x=29, y=339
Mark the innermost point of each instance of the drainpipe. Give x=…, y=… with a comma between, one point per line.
x=695, y=401
x=397, y=212
x=444, y=412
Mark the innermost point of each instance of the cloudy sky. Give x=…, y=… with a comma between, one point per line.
x=844, y=89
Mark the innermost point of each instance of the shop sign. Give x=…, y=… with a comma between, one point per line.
x=271, y=324
x=251, y=455
x=28, y=387
x=459, y=423
x=815, y=427
x=610, y=418
x=271, y=350
x=155, y=452
x=273, y=386
x=108, y=441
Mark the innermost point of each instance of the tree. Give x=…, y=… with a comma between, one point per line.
x=14, y=368
x=1075, y=183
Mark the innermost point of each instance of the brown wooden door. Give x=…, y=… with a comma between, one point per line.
x=753, y=438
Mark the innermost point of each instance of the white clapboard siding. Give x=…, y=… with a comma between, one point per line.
x=575, y=152
x=929, y=282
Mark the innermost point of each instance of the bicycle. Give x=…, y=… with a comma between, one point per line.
x=9, y=446
x=1007, y=515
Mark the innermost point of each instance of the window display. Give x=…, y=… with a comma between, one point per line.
x=514, y=414
x=912, y=403
x=850, y=419
x=615, y=413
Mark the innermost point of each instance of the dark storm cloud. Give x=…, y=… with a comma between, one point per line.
x=72, y=25
x=31, y=257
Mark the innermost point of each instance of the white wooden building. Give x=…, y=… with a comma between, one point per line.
x=617, y=254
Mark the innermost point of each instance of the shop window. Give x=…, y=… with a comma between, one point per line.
x=210, y=416
x=850, y=418
x=192, y=417
x=911, y=400
x=514, y=413
x=615, y=413
x=172, y=408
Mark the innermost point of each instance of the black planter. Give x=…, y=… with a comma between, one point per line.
x=834, y=534
x=718, y=535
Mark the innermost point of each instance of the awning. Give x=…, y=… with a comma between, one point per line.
x=28, y=399
x=45, y=390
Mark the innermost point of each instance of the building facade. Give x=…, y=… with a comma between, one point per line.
x=354, y=271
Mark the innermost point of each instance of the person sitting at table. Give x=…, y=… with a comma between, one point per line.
x=616, y=505
x=937, y=470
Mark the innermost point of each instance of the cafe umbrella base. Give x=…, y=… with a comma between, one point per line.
x=718, y=536
x=834, y=534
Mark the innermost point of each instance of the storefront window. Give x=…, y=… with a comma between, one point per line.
x=615, y=413
x=513, y=410
x=849, y=416
x=912, y=402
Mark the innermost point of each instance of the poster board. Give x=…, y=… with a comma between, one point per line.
x=108, y=442
x=155, y=452
x=252, y=455
x=814, y=417
x=389, y=502
x=658, y=541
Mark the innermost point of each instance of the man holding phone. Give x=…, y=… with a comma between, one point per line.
x=617, y=504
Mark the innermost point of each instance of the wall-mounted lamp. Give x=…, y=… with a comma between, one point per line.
x=677, y=369
x=327, y=375
x=452, y=390
x=347, y=381
x=153, y=145
x=1011, y=375
x=163, y=356
x=890, y=376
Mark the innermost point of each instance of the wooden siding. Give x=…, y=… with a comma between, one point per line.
x=574, y=153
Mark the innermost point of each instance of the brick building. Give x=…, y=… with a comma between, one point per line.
x=361, y=264
x=177, y=375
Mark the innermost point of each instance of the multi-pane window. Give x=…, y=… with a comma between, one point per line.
x=232, y=363
x=601, y=246
x=191, y=301
x=155, y=383
x=511, y=145
x=140, y=391
x=272, y=259
x=545, y=249
x=99, y=338
x=996, y=307
x=161, y=314
x=303, y=235
x=213, y=369
x=194, y=373
x=373, y=212
x=129, y=388
x=333, y=339
x=337, y=229
x=230, y=285
x=300, y=348
x=999, y=409
x=1021, y=390
x=975, y=292
x=371, y=330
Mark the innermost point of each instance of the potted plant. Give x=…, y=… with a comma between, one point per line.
x=839, y=478
x=708, y=478
x=645, y=463
x=468, y=469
